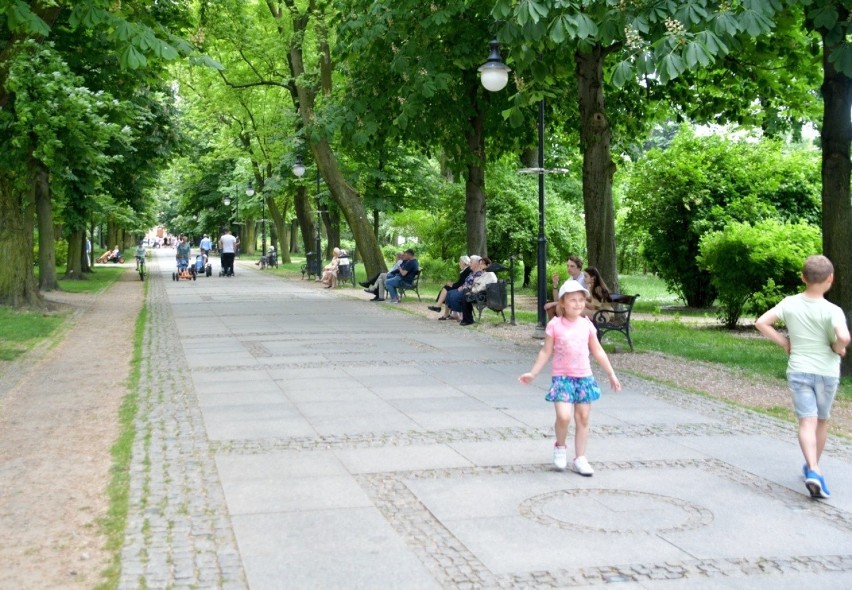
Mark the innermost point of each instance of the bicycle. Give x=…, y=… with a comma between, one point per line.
x=140, y=267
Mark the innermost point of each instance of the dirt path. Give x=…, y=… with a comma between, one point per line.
x=57, y=425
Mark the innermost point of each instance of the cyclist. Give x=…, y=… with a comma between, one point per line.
x=140, y=255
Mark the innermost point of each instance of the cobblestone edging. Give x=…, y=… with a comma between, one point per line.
x=429, y=437
x=733, y=422
x=453, y=565
x=178, y=532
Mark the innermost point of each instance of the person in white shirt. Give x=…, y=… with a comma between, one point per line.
x=228, y=248
x=575, y=272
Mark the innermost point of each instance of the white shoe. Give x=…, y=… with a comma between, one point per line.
x=560, y=457
x=581, y=466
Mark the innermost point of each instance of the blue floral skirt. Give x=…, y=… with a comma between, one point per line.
x=573, y=390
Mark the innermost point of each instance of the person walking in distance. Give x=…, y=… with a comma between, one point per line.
x=570, y=339
x=205, y=246
x=817, y=337
x=227, y=249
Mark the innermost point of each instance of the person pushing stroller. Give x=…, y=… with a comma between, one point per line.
x=228, y=249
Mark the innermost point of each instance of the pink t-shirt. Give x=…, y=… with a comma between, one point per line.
x=571, y=346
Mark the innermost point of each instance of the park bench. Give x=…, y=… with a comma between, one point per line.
x=311, y=267
x=616, y=319
x=345, y=270
x=493, y=297
x=414, y=286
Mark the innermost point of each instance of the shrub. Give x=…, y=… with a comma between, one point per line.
x=701, y=184
x=764, y=259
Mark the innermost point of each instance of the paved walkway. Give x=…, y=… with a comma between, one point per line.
x=290, y=437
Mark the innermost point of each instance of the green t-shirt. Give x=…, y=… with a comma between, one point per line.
x=183, y=250
x=810, y=325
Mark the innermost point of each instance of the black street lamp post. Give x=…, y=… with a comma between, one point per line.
x=494, y=75
x=299, y=171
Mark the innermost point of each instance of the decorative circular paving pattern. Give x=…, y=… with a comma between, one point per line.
x=614, y=511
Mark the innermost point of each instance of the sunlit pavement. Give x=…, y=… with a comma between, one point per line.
x=290, y=437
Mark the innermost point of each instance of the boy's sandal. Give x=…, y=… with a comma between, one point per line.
x=444, y=317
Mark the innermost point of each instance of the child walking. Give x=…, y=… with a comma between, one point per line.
x=817, y=339
x=570, y=338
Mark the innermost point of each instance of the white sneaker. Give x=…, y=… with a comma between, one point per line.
x=560, y=457
x=581, y=466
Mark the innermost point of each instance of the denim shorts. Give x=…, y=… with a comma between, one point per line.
x=812, y=394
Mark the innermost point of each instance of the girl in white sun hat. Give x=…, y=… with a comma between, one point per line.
x=570, y=339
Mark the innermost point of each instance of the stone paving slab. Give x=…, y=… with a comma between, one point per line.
x=294, y=437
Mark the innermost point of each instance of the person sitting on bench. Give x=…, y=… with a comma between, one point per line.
x=484, y=279
x=329, y=271
x=373, y=284
x=464, y=270
x=598, y=292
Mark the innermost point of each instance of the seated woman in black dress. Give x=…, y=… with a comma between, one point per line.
x=464, y=270
x=455, y=297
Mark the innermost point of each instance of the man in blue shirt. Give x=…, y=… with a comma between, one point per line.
x=205, y=246
x=405, y=276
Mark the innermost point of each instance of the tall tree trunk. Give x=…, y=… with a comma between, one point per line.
x=836, y=204
x=111, y=235
x=352, y=206
x=76, y=254
x=248, y=242
x=294, y=236
x=17, y=211
x=332, y=230
x=281, y=229
x=598, y=167
x=306, y=220
x=474, y=203
x=46, y=242
x=349, y=200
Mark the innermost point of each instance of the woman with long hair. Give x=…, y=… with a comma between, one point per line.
x=598, y=291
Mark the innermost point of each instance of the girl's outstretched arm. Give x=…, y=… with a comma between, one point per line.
x=603, y=360
x=540, y=361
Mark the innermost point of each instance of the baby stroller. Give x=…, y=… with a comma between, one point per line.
x=202, y=267
x=184, y=271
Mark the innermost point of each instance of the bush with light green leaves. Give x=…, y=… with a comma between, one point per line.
x=758, y=263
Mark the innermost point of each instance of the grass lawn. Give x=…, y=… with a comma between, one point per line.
x=23, y=329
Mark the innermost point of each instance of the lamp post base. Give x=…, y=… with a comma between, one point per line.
x=538, y=333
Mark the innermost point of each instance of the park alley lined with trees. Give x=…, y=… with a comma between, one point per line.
x=124, y=116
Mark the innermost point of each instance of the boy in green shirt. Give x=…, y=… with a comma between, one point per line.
x=817, y=339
